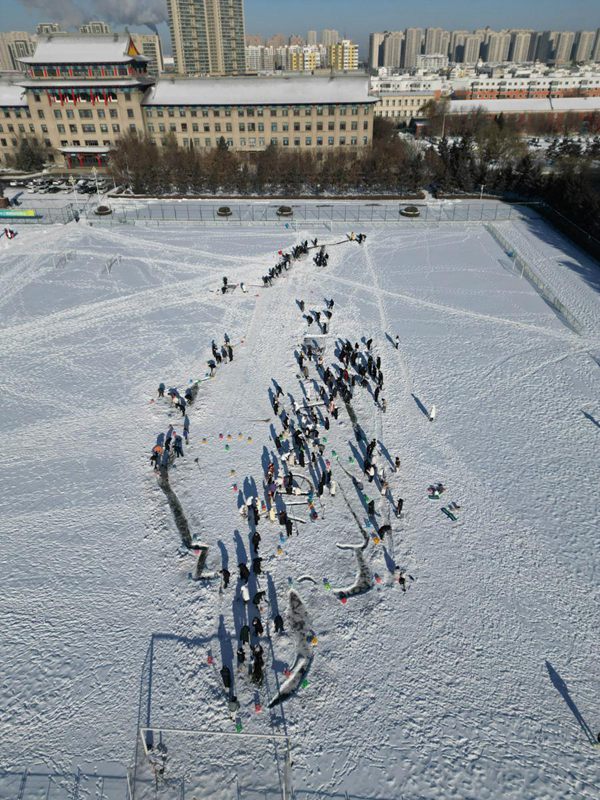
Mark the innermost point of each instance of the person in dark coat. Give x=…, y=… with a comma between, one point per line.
x=257, y=626
x=241, y=655
x=278, y=622
x=257, y=565
x=258, y=598
x=255, y=541
x=244, y=573
x=226, y=575
x=399, y=505
x=371, y=508
x=226, y=676
x=161, y=390
x=245, y=634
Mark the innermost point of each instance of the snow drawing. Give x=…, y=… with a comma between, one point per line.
x=300, y=626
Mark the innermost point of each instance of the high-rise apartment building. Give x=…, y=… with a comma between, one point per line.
x=433, y=41
x=376, y=50
x=311, y=38
x=596, y=51
x=392, y=49
x=457, y=45
x=95, y=28
x=14, y=45
x=472, y=47
x=150, y=46
x=497, y=47
x=564, y=47
x=329, y=37
x=207, y=36
x=48, y=28
x=584, y=45
x=412, y=47
x=343, y=56
x=520, y=43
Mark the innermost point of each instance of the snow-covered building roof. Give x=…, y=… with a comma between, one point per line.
x=73, y=49
x=259, y=91
x=12, y=95
x=527, y=105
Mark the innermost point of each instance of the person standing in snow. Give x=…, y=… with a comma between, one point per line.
x=226, y=575
x=432, y=413
x=245, y=634
x=186, y=428
x=397, y=464
x=255, y=541
x=397, y=342
x=245, y=594
x=278, y=622
x=384, y=405
x=244, y=572
x=161, y=390
x=399, y=506
x=257, y=626
x=226, y=676
x=241, y=655
x=178, y=446
x=257, y=565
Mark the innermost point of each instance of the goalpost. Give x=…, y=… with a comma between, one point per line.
x=172, y=753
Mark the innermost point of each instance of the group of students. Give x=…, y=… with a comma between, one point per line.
x=221, y=354
x=169, y=446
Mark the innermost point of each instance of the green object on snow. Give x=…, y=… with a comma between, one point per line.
x=304, y=683
x=238, y=727
x=333, y=453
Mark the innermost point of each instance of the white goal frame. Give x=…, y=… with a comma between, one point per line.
x=287, y=791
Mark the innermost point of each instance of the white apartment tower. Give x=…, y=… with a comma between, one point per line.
x=392, y=49
x=412, y=47
x=564, y=47
x=375, y=49
x=584, y=45
x=520, y=42
x=208, y=36
x=311, y=38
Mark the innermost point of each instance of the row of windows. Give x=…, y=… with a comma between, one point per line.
x=86, y=113
x=20, y=126
x=285, y=141
x=252, y=127
x=284, y=111
x=18, y=112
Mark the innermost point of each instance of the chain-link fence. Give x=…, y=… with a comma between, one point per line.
x=263, y=213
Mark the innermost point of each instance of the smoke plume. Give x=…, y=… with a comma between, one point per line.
x=71, y=13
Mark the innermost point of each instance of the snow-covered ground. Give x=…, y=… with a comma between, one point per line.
x=478, y=682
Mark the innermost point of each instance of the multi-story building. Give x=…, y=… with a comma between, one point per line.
x=402, y=106
x=412, y=47
x=584, y=45
x=311, y=38
x=564, y=47
x=312, y=113
x=304, y=59
x=14, y=45
x=48, y=28
x=392, y=49
x=95, y=28
x=207, y=36
x=329, y=37
x=596, y=52
x=433, y=41
x=472, y=47
x=376, y=50
x=149, y=45
x=81, y=94
x=343, y=56
x=520, y=42
x=433, y=62
x=457, y=45
x=497, y=46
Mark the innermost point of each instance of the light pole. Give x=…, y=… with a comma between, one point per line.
x=95, y=174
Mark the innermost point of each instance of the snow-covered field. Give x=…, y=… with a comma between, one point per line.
x=481, y=681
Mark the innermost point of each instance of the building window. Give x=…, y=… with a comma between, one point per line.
x=353, y=141
x=227, y=112
x=172, y=127
x=64, y=142
x=206, y=127
x=101, y=113
x=40, y=113
x=216, y=112
x=161, y=127
x=331, y=125
x=195, y=127
x=196, y=141
x=296, y=142
x=159, y=112
x=319, y=141
x=184, y=127
x=85, y=114
x=252, y=142
x=228, y=127
x=242, y=127
x=365, y=140
x=261, y=142
x=274, y=126
x=273, y=114
x=104, y=128
x=308, y=141
x=130, y=113
x=242, y=142
x=171, y=112
x=308, y=126
x=296, y=126
x=207, y=141
x=22, y=128
x=251, y=126
x=330, y=140
x=366, y=125
x=274, y=140
x=319, y=126
x=286, y=142
x=73, y=128
x=76, y=143
x=182, y=114
x=342, y=140
x=354, y=125
x=114, y=114
x=116, y=128
x=186, y=142
x=229, y=142
x=57, y=113
x=88, y=128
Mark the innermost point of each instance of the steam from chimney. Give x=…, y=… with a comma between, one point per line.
x=71, y=13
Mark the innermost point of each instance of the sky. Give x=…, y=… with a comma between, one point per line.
x=355, y=18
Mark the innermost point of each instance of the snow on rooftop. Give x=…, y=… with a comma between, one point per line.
x=69, y=49
x=259, y=91
x=12, y=95
x=527, y=104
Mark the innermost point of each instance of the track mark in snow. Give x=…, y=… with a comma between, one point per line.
x=300, y=626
